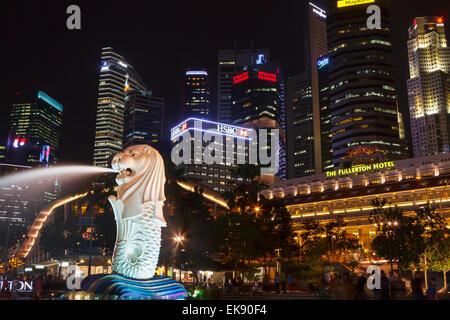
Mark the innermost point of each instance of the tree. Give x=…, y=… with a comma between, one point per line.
x=437, y=242
x=404, y=237
x=245, y=195
x=238, y=233
x=275, y=233
x=59, y=236
x=190, y=219
x=319, y=239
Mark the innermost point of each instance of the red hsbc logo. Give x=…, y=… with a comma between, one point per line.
x=243, y=132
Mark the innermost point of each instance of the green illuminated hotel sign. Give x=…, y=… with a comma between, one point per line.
x=361, y=168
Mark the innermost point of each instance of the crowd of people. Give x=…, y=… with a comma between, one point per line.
x=389, y=287
x=342, y=286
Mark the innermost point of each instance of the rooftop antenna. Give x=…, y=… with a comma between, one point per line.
x=251, y=52
x=235, y=54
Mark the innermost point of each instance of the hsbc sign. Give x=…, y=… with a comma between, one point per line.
x=223, y=128
x=193, y=124
x=175, y=131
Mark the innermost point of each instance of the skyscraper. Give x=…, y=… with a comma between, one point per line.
x=197, y=94
x=429, y=86
x=325, y=114
x=116, y=77
x=304, y=147
x=217, y=176
x=34, y=129
x=230, y=62
x=258, y=103
x=300, y=126
x=363, y=98
x=143, y=120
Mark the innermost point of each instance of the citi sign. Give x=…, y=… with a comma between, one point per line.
x=323, y=62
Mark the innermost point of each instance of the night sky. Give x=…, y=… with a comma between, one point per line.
x=160, y=39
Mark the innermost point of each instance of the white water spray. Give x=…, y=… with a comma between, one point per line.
x=34, y=175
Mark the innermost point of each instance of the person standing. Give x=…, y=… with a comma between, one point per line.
x=290, y=282
x=283, y=283
x=385, y=286
x=416, y=286
x=359, y=288
x=38, y=288
x=347, y=283
x=432, y=290
x=277, y=282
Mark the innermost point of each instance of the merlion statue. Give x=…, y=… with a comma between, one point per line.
x=138, y=211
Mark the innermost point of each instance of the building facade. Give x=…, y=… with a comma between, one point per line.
x=143, y=120
x=326, y=144
x=348, y=193
x=230, y=62
x=34, y=130
x=429, y=86
x=300, y=126
x=258, y=103
x=362, y=94
x=230, y=145
x=197, y=94
x=303, y=120
x=116, y=77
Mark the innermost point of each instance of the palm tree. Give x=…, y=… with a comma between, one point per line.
x=246, y=192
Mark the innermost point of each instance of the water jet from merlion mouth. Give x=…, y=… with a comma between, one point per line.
x=34, y=175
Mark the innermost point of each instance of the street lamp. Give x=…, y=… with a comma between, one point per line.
x=178, y=239
x=390, y=227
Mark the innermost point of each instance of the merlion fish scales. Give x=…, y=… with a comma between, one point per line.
x=138, y=211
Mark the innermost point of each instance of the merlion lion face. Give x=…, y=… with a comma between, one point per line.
x=131, y=164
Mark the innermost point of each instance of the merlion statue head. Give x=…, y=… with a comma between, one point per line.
x=141, y=171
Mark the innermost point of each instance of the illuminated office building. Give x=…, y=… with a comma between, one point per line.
x=2, y=151
x=348, y=193
x=231, y=62
x=218, y=176
x=300, y=128
x=362, y=94
x=429, y=86
x=34, y=130
x=116, y=77
x=304, y=148
x=258, y=103
x=143, y=120
x=197, y=94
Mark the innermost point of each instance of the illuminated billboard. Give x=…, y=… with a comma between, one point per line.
x=322, y=62
x=349, y=3
x=361, y=168
x=210, y=126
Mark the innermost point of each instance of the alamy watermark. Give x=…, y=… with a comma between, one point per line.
x=374, y=20
x=74, y=20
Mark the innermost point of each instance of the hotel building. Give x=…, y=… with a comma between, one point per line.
x=408, y=184
x=429, y=86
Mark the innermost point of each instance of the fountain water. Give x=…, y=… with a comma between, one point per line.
x=34, y=175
